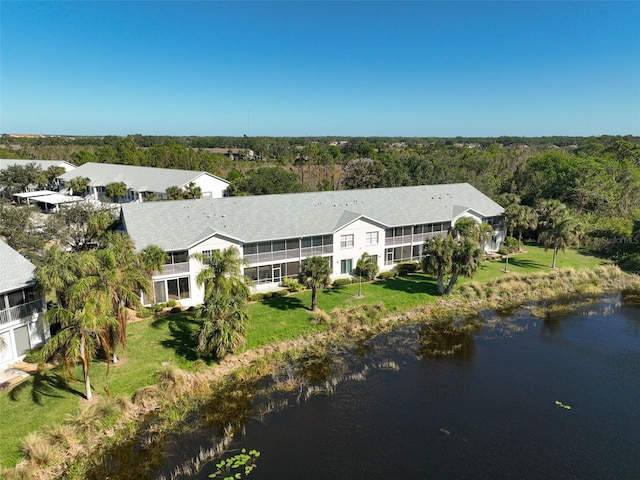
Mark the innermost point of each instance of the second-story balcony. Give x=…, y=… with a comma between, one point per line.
x=25, y=311
x=291, y=254
x=173, y=268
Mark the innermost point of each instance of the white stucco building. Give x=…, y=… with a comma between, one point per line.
x=22, y=308
x=143, y=182
x=275, y=233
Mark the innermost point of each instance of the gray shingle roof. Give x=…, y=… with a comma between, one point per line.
x=140, y=179
x=16, y=271
x=44, y=164
x=177, y=225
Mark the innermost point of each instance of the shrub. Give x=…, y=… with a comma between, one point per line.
x=176, y=310
x=171, y=303
x=38, y=449
x=409, y=267
x=256, y=297
x=630, y=263
x=144, y=312
x=340, y=282
x=279, y=293
x=388, y=275
x=403, y=272
x=33, y=356
x=158, y=307
x=292, y=284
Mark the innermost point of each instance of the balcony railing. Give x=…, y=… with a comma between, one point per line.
x=173, y=268
x=292, y=254
x=21, y=312
x=413, y=239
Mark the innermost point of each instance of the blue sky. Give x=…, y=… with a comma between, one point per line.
x=320, y=68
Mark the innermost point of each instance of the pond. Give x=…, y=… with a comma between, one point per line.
x=524, y=397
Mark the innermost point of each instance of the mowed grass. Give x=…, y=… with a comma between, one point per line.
x=46, y=399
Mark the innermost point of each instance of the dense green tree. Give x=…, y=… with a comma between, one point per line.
x=79, y=226
x=17, y=228
x=269, y=180
x=315, y=273
x=362, y=173
x=18, y=178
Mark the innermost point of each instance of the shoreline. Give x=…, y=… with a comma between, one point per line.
x=180, y=392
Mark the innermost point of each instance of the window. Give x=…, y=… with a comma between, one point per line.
x=209, y=253
x=346, y=241
x=371, y=238
x=250, y=248
x=178, y=257
x=346, y=266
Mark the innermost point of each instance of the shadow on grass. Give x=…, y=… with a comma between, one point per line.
x=524, y=263
x=285, y=303
x=182, y=329
x=43, y=384
x=412, y=284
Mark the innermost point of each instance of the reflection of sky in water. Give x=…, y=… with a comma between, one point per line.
x=490, y=413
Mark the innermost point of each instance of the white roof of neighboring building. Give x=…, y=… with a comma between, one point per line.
x=16, y=271
x=43, y=164
x=37, y=193
x=139, y=179
x=177, y=225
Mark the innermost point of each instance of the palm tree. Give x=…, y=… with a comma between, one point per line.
x=560, y=235
x=57, y=271
x=222, y=272
x=112, y=277
x=438, y=258
x=466, y=260
x=468, y=227
x=366, y=267
x=152, y=258
x=223, y=318
x=85, y=332
x=524, y=218
x=314, y=273
x=223, y=312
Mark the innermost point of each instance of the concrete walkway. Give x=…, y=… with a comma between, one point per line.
x=13, y=374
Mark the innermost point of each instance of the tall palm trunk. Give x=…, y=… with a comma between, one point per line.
x=85, y=366
x=314, y=299
x=452, y=282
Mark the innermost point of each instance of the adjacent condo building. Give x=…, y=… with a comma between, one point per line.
x=275, y=233
x=22, y=307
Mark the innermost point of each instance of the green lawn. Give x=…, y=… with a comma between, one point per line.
x=46, y=399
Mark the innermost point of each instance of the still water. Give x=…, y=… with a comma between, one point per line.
x=489, y=412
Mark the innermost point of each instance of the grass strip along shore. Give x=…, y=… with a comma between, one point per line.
x=159, y=371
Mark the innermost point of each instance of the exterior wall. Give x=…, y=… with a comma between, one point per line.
x=359, y=237
x=361, y=244
x=211, y=187
x=22, y=328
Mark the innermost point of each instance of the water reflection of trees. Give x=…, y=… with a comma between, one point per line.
x=448, y=338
